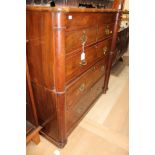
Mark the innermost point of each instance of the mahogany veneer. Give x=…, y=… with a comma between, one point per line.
x=64, y=87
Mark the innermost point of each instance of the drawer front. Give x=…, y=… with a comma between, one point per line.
x=104, y=47
x=92, y=54
x=96, y=89
x=106, y=18
x=76, y=21
x=80, y=87
x=73, y=63
x=74, y=39
x=81, y=20
x=75, y=113
x=104, y=31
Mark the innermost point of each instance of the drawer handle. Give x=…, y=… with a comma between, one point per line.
x=94, y=68
x=83, y=38
x=107, y=31
x=83, y=63
x=110, y=32
x=82, y=87
x=105, y=49
x=102, y=68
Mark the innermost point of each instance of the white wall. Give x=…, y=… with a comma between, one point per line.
x=126, y=5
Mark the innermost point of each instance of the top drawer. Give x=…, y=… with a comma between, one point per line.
x=106, y=18
x=75, y=21
x=82, y=20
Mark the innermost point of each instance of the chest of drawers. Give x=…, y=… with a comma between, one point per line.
x=64, y=87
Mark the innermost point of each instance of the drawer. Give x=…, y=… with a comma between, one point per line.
x=76, y=21
x=73, y=39
x=92, y=54
x=106, y=18
x=80, y=87
x=73, y=62
x=74, y=114
x=103, y=47
x=104, y=31
x=96, y=89
x=78, y=110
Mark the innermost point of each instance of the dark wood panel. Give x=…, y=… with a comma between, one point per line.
x=75, y=22
x=38, y=24
x=46, y=110
x=39, y=54
x=29, y=109
x=106, y=18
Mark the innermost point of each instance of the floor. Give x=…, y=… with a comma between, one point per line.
x=104, y=130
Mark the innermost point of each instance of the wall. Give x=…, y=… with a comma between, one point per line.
x=126, y=5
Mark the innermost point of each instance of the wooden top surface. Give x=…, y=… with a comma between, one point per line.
x=67, y=9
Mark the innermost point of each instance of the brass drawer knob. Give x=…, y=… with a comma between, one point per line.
x=82, y=87
x=107, y=31
x=83, y=62
x=102, y=68
x=83, y=38
x=105, y=49
x=94, y=68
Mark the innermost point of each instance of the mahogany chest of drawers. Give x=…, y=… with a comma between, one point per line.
x=64, y=86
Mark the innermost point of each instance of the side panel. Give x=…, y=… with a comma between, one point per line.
x=39, y=54
x=40, y=57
